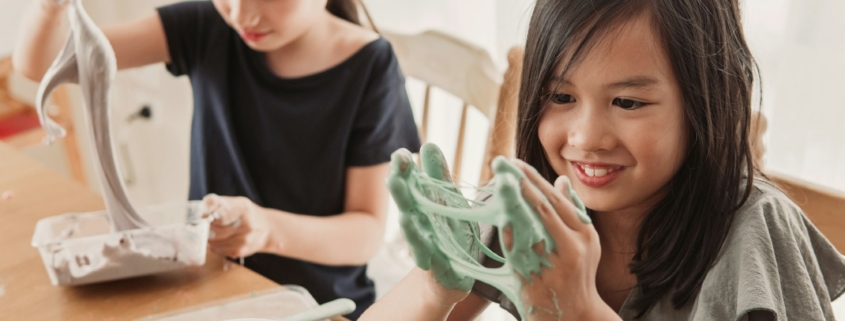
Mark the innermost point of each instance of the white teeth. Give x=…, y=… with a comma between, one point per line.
x=596, y=172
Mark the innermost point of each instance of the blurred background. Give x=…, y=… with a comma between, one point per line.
x=798, y=44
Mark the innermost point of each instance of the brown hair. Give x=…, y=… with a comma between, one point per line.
x=348, y=10
x=680, y=238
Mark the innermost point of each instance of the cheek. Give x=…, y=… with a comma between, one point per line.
x=550, y=132
x=659, y=149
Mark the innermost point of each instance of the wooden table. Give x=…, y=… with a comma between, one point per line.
x=25, y=289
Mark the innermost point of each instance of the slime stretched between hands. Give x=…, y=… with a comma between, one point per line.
x=442, y=229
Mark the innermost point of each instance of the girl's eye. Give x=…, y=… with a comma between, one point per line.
x=628, y=104
x=562, y=98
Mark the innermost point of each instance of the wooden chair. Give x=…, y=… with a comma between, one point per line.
x=466, y=71
x=20, y=121
x=823, y=206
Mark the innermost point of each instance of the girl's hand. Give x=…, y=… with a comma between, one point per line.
x=567, y=290
x=437, y=293
x=240, y=227
x=440, y=279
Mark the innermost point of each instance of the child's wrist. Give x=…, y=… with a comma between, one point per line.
x=438, y=294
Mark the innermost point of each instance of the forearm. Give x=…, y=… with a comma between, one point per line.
x=350, y=238
x=412, y=299
x=41, y=36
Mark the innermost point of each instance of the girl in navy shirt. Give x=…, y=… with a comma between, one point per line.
x=297, y=109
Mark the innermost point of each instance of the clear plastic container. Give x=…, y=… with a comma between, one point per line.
x=270, y=304
x=79, y=248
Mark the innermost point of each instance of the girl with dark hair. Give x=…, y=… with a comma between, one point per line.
x=645, y=106
x=297, y=109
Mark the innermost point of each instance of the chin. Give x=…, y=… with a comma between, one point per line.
x=260, y=47
x=599, y=200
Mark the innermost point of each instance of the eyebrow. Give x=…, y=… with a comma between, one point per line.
x=633, y=82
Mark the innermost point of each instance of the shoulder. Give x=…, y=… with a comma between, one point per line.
x=774, y=260
x=371, y=48
x=769, y=218
x=351, y=37
x=195, y=15
x=380, y=54
x=185, y=8
x=767, y=208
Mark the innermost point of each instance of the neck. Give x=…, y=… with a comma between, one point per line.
x=618, y=230
x=311, y=40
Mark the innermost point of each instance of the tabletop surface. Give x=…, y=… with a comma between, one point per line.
x=25, y=289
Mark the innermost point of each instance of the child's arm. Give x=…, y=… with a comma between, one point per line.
x=42, y=34
x=418, y=297
x=469, y=308
x=349, y=238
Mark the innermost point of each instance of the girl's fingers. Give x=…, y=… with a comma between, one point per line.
x=218, y=233
x=433, y=163
x=561, y=204
x=230, y=246
x=507, y=237
x=218, y=207
x=230, y=252
x=211, y=202
x=550, y=218
x=435, y=166
x=564, y=185
x=401, y=163
x=226, y=211
x=398, y=188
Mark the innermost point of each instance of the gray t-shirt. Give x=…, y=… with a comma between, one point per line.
x=774, y=262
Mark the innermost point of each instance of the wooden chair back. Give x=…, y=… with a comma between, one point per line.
x=468, y=72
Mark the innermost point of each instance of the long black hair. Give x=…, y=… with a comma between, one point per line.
x=680, y=238
x=348, y=10
x=344, y=9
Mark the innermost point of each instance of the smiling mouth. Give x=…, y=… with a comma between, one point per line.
x=596, y=175
x=597, y=170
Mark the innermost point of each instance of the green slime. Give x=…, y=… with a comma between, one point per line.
x=442, y=228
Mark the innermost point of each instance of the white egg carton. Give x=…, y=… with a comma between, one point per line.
x=79, y=248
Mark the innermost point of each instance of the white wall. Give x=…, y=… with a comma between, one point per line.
x=800, y=47
x=10, y=15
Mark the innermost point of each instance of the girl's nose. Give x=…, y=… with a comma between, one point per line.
x=244, y=14
x=591, y=130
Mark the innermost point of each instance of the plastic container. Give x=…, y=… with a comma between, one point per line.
x=270, y=304
x=79, y=248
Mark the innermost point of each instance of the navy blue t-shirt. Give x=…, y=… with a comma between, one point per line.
x=286, y=143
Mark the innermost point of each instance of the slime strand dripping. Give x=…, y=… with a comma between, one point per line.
x=88, y=59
